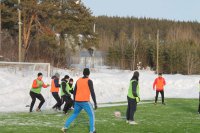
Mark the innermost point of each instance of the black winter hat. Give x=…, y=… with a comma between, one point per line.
x=71, y=80
x=86, y=72
x=39, y=74
x=136, y=74
x=66, y=77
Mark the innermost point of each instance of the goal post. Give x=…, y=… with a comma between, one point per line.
x=26, y=67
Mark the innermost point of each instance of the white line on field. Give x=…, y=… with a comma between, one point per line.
x=118, y=104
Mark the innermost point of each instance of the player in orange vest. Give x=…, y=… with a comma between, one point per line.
x=82, y=91
x=159, y=84
x=54, y=90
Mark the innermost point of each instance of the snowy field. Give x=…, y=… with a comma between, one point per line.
x=110, y=86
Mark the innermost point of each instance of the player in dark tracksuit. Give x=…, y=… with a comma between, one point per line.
x=67, y=88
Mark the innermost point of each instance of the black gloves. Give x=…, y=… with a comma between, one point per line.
x=95, y=107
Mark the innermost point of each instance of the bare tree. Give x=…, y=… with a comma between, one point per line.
x=134, y=43
x=122, y=43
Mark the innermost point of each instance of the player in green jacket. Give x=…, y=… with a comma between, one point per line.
x=35, y=92
x=133, y=98
x=66, y=91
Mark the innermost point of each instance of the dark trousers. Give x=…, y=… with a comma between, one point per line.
x=34, y=96
x=162, y=95
x=58, y=100
x=68, y=103
x=131, y=109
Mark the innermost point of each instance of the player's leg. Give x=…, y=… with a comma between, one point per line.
x=77, y=110
x=89, y=109
x=33, y=97
x=41, y=98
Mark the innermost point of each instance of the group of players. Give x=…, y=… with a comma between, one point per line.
x=81, y=96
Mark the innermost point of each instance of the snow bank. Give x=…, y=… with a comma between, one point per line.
x=110, y=86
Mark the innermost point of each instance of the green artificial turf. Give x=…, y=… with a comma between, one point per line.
x=177, y=116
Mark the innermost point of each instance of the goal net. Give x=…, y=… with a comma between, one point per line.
x=25, y=69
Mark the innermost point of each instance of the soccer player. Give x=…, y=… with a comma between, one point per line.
x=159, y=84
x=35, y=92
x=55, y=86
x=82, y=91
x=133, y=98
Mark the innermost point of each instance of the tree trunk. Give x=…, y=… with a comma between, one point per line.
x=134, y=58
x=27, y=26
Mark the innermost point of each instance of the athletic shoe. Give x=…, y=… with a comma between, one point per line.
x=54, y=109
x=64, y=130
x=127, y=121
x=65, y=113
x=71, y=109
x=163, y=103
x=38, y=110
x=93, y=132
x=132, y=123
x=155, y=103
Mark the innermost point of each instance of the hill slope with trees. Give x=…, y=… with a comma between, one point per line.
x=129, y=41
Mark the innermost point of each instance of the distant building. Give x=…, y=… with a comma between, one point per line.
x=88, y=58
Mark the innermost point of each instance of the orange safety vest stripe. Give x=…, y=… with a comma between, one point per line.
x=35, y=85
x=82, y=90
x=53, y=87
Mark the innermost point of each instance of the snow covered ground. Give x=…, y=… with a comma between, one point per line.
x=110, y=86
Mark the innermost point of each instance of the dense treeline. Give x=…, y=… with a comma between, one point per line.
x=47, y=25
x=53, y=31
x=130, y=41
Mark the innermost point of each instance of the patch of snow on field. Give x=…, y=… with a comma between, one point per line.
x=110, y=86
